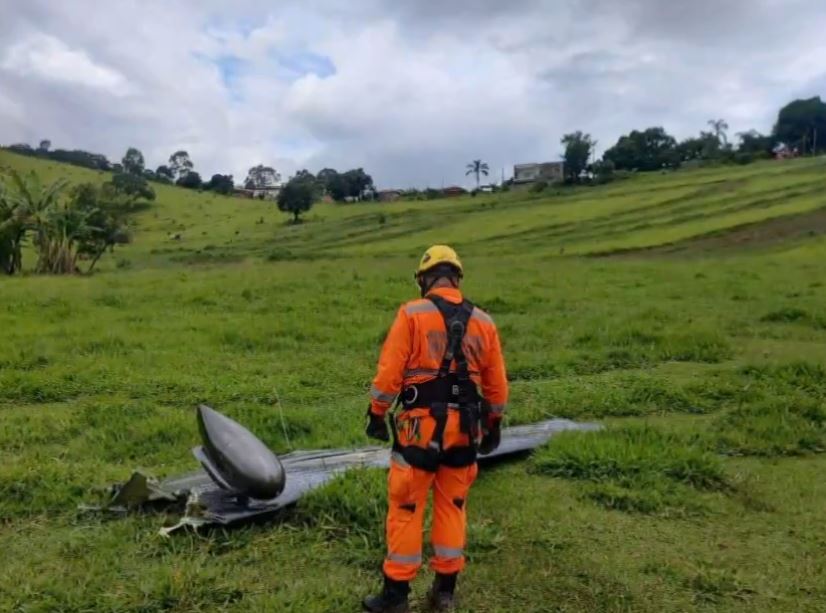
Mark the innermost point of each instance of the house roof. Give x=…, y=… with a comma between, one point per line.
x=531, y=164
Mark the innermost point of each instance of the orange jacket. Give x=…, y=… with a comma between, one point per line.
x=415, y=346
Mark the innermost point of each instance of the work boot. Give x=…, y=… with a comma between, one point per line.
x=440, y=597
x=392, y=599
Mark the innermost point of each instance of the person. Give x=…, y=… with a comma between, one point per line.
x=439, y=352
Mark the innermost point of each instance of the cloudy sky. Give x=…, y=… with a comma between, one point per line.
x=409, y=89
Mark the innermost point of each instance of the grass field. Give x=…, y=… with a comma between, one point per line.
x=708, y=368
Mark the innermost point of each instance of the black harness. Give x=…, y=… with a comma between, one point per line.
x=447, y=391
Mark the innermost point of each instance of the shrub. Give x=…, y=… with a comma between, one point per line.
x=280, y=254
x=656, y=496
x=704, y=347
x=802, y=376
x=539, y=186
x=635, y=468
x=795, y=315
x=785, y=426
x=630, y=455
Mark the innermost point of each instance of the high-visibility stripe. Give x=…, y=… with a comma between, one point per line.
x=398, y=458
x=448, y=552
x=498, y=408
x=481, y=315
x=417, y=372
x=402, y=559
x=424, y=306
x=381, y=396
x=429, y=372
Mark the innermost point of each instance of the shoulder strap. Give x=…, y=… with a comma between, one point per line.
x=456, y=317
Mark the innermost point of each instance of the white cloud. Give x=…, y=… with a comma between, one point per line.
x=409, y=89
x=46, y=57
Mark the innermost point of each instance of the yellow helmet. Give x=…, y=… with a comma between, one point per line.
x=439, y=254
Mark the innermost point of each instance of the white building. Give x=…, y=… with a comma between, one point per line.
x=547, y=171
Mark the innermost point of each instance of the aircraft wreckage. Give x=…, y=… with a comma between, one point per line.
x=242, y=480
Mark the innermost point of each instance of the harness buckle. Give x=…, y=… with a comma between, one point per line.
x=454, y=390
x=407, y=400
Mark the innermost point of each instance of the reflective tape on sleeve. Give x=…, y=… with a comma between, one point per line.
x=498, y=408
x=381, y=396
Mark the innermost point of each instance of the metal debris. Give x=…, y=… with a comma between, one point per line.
x=208, y=503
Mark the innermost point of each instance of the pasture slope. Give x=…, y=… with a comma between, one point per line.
x=703, y=356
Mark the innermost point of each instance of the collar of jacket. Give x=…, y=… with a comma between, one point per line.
x=450, y=294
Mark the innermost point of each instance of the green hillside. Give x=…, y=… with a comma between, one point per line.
x=647, y=210
x=698, y=339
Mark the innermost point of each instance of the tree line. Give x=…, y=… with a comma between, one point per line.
x=304, y=188
x=349, y=186
x=800, y=129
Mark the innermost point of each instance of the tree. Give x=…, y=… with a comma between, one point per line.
x=357, y=183
x=753, y=142
x=41, y=210
x=707, y=146
x=180, y=164
x=341, y=186
x=261, y=176
x=25, y=207
x=691, y=149
x=327, y=176
x=22, y=149
x=802, y=124
x=7, y=219
x=64, y=226
x=108, y=212
x=337, y=188
x=477, y=167
x=578, y=148
x=603, y=171
x=133, y=162
x=298, y=195
x=132, y=185
x=719, y=127
x=77, y=157
x=164, y=174
x=651, y=149
x=44, y=146
x=190, y=180
x=305, y=174
x=221, y=184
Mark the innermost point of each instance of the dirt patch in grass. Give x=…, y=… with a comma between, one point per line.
x=769, y=233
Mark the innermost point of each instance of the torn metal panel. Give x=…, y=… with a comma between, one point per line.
x=208, y=503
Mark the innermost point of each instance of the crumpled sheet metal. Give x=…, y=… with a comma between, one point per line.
x=208, y=504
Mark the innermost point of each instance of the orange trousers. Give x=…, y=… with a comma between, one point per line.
x=408, y=489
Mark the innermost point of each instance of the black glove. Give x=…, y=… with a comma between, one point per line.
x=491, y=438
x=377, y=427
